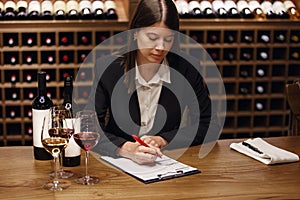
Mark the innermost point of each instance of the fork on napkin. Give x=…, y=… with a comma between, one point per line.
x=264, y=152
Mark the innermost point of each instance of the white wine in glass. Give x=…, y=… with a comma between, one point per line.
x=54, y=144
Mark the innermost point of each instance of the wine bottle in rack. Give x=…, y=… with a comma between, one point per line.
x=206, y=9
x=260, y=89
x=182, y=8
x=259, y=106
x=244, y=90
x=291, y=9
x=72, y=9
x=260, y=72
x=194, y=9
x=71, y=155
x=280, y=10
x=110, y=9
x=255, y=8
x=22, y=9
x=34, y=9
x=267, y=8
x=263, y=55
x=40, y=111
x=47, y=10
x=13, y=78
x=279, y=37
x=265, y=38
x=98, y=9
x=243, y=9
x=231, y=9
x=85, y=9
x=10, y=10
x=59, y=9
x=219, y=8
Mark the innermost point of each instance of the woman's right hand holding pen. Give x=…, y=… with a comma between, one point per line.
x=139, y=153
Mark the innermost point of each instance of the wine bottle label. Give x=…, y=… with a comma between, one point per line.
x=204, y=5
x=85, y=4
x=217, y=4
x=97, y=5
x=229, y=4
x=59, y=5
x=22, y=4
x=10, y=4
x=1, y=6
x=109, y=5
x=72, y=5
x=266, y=6
x=37, y=125
x=241, y=5
x=72, y=149
x=34, y=6
x=47, y=7
x=289, y=4
x=194, y=5
x=279, y=7
x=254, y=5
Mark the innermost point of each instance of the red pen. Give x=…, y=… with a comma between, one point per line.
x=136, y=138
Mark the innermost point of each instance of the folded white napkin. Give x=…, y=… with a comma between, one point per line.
x=264, y=152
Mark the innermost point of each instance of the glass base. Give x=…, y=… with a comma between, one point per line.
x=56, y=186
x=91, y=180
x=62, y=174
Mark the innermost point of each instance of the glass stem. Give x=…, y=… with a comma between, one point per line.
x=87, y=176
x=56, y=167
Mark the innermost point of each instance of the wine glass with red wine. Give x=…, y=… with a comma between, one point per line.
x=87, y=135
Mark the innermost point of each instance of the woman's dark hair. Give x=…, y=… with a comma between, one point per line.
x=147, y=13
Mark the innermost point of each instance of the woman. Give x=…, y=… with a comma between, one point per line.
x=150, y=68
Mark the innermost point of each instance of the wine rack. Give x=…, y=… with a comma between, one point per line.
x=255, y=59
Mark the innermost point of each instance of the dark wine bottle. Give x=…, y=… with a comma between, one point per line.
x=206, y=9
x=71, y=155
x=98, y=9
x=291, y=9
x=267, y=8
x=40, y=111
x=219, y=8
x=34, y=9
x=255, y=8
x=47, y=10
x=194, y=9
x=110, y=10
x=85, y=9
x=10, y=10
x=231, y=9
x=22, y=9
x=59, y=9
x=72, y=9
x=244, y=10
x=280, y=10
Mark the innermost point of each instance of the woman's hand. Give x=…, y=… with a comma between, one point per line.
x=138, y=153
x=155, y=141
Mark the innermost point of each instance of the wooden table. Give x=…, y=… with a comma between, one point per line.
x=226, y=174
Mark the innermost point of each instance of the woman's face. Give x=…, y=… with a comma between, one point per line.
x=154, y=43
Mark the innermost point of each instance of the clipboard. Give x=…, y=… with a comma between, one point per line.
x=163, y=169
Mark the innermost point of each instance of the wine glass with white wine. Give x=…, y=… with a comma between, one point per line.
x=54, y=143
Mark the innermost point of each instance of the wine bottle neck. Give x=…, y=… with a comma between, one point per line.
x=42, y=84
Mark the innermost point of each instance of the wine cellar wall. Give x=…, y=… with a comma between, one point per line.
x=256, y=58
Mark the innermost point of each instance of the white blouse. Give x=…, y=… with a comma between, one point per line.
x=149, y=93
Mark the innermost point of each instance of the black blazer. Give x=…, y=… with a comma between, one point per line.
x=122, y=119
